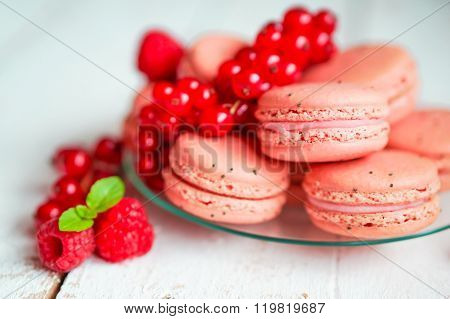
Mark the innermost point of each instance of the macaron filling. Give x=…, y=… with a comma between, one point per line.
x=295, y=126
x=362, y=209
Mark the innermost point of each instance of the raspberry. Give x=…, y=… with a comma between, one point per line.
x=123, y=231
x=63, y=251
x=159, y=55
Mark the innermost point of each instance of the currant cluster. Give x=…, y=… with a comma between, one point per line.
x=279, y=54
x=79, y=169
x=186, y=104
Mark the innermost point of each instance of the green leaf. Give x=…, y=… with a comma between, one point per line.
x=105, y=193
x=85, y=212
x=71, y=221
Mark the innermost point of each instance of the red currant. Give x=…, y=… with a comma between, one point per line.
x=163, y=90
x=148, y=164
x=226, y=71
x=68, y=191
x=168, y=125
x=247, y=56
x=270, y=35
x=155, y=183
x=108, y=150
x=179, y=103
x=288, y=72
x=268, y=60
x=46, y=211
x=322, y=47
x=298, y=48
x=74, y=162
x=148, y=114
x=206, y=97
x=242, y=111
x=217, y=121
x=189, y=85
x=325, y=21
x=249, y=84
x=148, y=138
x=298, y=20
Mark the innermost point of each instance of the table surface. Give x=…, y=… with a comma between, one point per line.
x=67, y=76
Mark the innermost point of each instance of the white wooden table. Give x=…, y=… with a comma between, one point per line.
x=50, y=95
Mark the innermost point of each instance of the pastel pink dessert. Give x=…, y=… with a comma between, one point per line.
x=426, y=132
x=386, y=194
x=321, y=123
x=389, y=69
x=224, y=180
x=205, y=56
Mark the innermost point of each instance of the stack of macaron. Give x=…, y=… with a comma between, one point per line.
x=371, y=165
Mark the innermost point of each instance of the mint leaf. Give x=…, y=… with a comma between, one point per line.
x=105, y=193
x=85, y=212
x=71, y=221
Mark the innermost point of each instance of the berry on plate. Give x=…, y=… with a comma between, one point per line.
x=159, y=55
x=123, y=231
x=48, y=210
x=63, y=251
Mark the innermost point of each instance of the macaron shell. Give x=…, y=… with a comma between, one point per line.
x=426, y=132
x=376, y=225
x=386, y=171
x=227, y=166
x=387, y=68
x=445, y=181
x=317, y=102
x=208, y=53
x=220, y=208
x=328, y=151
x=402, y=105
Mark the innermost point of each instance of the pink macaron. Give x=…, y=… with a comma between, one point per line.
x=224, y=180
x=386, y=194
x=427, y=133
x=321, y=123
x=205, y=56
x=389, y=69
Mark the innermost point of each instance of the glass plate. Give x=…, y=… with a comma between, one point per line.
x=291, y=227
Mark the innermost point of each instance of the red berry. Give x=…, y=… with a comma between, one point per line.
x=179, y=103
x=298, y=48
x=159, y=55
x=247, y=56
x=155, y=183
x=249, y=84
x=68, y=191
x=63, y=251
x=148, y=138
x=169, y=126
x=298, y=20
x=189, y=85
x=287, y=72
x=163, y=90
x=242, y=111
x=217, y=121
x=325, y=21
x=108, y=150
x=148, y=164
x=205, y=97
x=148, y=114
x=46, y=211
x=74, y=162
x=123, y=231
x=270, y=35
x=322, y=47
x=226, y=71
x=268, y=60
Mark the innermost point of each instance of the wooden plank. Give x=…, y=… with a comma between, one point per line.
x=189, y=261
